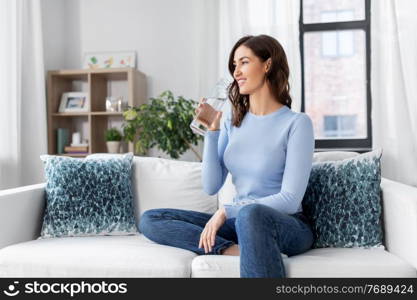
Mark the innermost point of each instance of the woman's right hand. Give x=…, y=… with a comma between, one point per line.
x=208, y=114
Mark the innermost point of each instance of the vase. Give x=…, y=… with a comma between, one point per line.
x=113, y=147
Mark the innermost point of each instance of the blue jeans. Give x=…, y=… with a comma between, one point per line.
x=261, y=232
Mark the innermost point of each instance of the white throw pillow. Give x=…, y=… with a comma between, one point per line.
x=166, y=183
x=333, y=155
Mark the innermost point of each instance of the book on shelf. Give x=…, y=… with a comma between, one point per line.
x=75, y=152
x=76, y=149
x=62, y=139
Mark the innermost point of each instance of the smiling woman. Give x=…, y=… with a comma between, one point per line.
x=253, y=61
x=268, y=150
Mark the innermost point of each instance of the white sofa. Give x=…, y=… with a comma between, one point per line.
x=167, y=183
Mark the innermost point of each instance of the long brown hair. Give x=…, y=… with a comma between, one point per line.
x=264, y=47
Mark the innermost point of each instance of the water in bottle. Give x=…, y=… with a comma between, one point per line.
x=211, y=105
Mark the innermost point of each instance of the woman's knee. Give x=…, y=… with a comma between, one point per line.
x=257, y=214
x=148, y=218
x=250, y=214
x=251, y=210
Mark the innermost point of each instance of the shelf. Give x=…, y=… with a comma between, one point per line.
x=71, y=76
x=121, y=75
x=77, y=72
x=128, y=83
x=107, y=113
x=71, y=114
x=81, y=114
x=74, y=154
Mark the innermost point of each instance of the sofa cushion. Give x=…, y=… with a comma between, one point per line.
x=96, y=256
x=333, y=155
x=342, y=201
x=167, y=183
x=88, y=197
x=323, y=262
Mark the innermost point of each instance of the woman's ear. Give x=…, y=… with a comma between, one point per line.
x=268, y=65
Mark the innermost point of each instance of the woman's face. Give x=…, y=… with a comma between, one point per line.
x=249, y=70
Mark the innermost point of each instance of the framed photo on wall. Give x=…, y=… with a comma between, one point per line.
x=74, y=102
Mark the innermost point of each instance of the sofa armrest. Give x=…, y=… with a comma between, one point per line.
x=21, y=212
x=400, y=219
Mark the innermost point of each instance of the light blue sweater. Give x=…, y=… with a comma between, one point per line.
x=269, y=157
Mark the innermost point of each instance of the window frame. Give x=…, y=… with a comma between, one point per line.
x=357, y=145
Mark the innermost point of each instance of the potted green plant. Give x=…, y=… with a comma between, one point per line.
x=164, y=123
x=113, y=139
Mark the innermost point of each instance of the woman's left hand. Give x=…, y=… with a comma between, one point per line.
x=208, y=236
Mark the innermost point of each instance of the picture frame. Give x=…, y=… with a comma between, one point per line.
x=108, y=60
x=74, y=102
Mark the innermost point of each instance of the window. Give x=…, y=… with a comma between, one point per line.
x=339, y=126
x=336, y=15
x=335, y=56
x=337, y=43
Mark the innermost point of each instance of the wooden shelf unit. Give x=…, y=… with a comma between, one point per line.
x=95, y=83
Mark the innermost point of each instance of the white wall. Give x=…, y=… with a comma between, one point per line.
x=175, y=40
x=61, y=33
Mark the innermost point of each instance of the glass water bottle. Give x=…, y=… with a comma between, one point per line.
x=208, y=112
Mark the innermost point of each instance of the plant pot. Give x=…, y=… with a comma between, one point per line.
x=113, y=147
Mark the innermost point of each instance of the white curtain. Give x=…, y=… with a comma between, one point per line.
x=278, y=18
x=22, y=94
x=394, y=87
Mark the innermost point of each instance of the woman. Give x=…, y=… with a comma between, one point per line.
x=268, y=149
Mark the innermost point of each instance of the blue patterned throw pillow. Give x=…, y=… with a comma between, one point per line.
x=342, y=202
x=88, y=197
